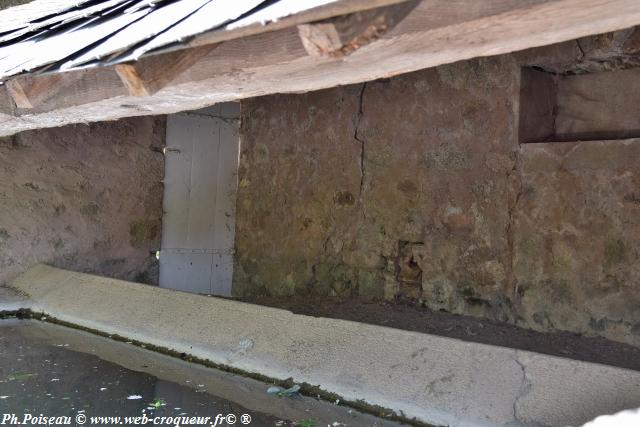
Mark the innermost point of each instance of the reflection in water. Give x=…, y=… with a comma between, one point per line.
x=42, y=378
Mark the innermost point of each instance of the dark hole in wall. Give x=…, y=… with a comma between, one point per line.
x=538, y=105
x=408, y=272
x=585, y=107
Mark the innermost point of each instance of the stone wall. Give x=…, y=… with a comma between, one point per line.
x=416, y=187
x=577, y=237
x=397, y=187
x=83, y=197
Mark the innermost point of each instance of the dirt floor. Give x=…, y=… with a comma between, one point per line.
x=406, y=316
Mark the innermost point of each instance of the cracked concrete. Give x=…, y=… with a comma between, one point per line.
x=472, y=385
x=564, y=389
x=525, y=386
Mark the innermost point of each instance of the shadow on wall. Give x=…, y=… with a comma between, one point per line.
x=83, y=197
x=417, y=187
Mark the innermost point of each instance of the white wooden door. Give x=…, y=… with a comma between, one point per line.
x=200, y=184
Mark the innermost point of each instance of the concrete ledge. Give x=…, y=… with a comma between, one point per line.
x=246, y=392
x=438, y=380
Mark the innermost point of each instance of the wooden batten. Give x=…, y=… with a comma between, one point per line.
x=148, y=75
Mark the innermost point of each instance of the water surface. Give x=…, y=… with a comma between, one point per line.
x=55, y=371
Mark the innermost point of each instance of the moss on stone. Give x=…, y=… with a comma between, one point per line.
x=57, y=243
x=141, y=232
x=32, y=186
x=137, y=233
x=4, y=235
x=370, y=284
x=615, y=252
x=90, y=209
x=276, y=278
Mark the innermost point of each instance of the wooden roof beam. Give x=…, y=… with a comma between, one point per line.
x=47, y=92
x=342, y=35
x=326, y=11
x=150, y=74
x=435, y=32
x=7, y=105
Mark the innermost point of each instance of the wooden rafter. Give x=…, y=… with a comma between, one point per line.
x=343, y=35
x=148, y=75
x=435, y=32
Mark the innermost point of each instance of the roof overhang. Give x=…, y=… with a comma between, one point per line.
x=339, y=42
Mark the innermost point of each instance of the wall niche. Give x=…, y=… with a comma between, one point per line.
x=582, y=107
